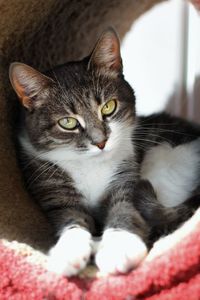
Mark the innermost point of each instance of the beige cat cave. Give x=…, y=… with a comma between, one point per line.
x=43, y=34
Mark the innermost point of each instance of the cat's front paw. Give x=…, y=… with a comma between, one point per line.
x=71, y=253
x=119, y=252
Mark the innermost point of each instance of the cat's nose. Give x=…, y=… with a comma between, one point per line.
x=101, y=145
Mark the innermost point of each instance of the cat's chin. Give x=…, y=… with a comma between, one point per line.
x=99, y=152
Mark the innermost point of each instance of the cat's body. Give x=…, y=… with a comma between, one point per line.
x=168, y=157
x=127, y=179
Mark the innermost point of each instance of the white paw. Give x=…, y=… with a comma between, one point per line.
x=71, y=253
x=119, y=252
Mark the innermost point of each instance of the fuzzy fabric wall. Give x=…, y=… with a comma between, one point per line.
x=44, y=33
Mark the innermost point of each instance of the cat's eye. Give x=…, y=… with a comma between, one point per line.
x=68, y=123
x=109, y=108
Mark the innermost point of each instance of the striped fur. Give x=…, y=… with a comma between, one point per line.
x=115, y=192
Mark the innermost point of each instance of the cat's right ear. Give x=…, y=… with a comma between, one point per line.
x=106, y=54
x=27, y=83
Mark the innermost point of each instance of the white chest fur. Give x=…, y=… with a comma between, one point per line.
x=91, y=172
x=92, y=177
x=172, y=171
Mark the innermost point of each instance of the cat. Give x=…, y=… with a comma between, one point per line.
x=97, y=170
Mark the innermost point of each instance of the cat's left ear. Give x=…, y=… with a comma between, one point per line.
x=28, y=83
x=106, y=54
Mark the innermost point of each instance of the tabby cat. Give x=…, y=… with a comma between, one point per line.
x=97, y=170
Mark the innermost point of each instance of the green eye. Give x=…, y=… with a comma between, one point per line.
x=109, y=108
x=68, y=123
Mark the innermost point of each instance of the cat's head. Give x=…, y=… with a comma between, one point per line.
x=85, y=107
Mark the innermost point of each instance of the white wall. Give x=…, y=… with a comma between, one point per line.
x=155, y=55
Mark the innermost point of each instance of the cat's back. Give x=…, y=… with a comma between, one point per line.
x=163, y=125
x=171, y=158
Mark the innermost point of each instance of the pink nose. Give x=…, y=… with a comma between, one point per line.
x=101, y=145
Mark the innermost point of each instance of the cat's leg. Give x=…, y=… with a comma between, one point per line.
x=123, y=244
x=132, y=225
x=74, y=247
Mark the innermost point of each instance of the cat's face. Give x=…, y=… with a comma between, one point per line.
x=82, y=107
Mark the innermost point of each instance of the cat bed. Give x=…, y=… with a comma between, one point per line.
x=43, y=34
x=172, y=271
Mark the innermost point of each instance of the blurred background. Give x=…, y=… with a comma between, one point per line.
x=161, y=58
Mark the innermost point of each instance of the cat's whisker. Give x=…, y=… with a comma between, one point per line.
x=54, y=172
x=147, y=140
x=153, y=140
x=139, y=130
x=47, y=170
x=30, y=183
x=52, y=165
x=33, y=178
x=32, y=160
x=139, y=146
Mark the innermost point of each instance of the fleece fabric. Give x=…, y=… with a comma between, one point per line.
x=172, y=272
x=43, y=34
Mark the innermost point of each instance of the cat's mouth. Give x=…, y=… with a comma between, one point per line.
x=97, y=152
x=94, y=151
